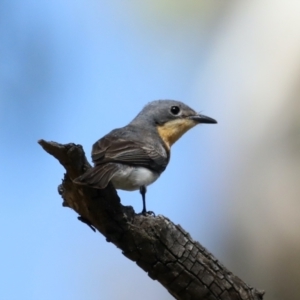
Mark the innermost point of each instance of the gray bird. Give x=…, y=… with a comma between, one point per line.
x=134, y=156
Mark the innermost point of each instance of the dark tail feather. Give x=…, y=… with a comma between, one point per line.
x=98, y=176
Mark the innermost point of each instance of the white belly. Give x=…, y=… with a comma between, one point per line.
x=132, y=178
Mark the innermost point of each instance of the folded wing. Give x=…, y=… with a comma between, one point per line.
x=110, y=151
x=134, y=153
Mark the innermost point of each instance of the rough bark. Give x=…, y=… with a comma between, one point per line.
x=164, y=250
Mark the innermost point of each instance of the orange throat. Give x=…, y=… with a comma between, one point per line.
x=171, y=131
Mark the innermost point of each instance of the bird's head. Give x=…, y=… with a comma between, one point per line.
x=171, y=118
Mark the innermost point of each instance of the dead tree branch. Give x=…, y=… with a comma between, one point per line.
x=164, y=250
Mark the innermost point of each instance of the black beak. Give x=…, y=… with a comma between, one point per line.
x=203, y=119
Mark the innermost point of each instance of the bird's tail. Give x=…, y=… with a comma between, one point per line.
x=97, y=177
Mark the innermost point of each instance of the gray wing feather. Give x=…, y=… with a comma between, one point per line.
x=129, y=152
x=99, y=176
x=112, y=150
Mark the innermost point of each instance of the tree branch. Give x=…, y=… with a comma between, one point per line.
x=164, y=250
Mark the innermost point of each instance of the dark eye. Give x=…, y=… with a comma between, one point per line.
x=175, y=110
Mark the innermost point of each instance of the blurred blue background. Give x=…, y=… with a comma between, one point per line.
x=70, y=71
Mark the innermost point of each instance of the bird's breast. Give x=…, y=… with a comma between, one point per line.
x=131, y=178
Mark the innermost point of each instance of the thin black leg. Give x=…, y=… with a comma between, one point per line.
x=144, y=212
x=143, y=191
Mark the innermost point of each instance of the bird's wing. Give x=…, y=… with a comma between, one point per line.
x=112, y=149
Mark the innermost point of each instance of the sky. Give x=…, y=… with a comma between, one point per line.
x=71, y=71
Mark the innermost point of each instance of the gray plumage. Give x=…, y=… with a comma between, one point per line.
x=134, y=156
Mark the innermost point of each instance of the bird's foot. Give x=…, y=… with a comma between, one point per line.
x=147, y=213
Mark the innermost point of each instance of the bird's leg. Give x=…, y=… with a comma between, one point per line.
x=143, y=191
x=144, y=212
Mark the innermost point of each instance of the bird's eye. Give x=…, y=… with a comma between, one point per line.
x=175, y=110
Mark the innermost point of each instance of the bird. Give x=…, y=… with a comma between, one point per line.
x=134, y=156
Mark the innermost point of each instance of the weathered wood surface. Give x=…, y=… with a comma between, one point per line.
x=162, y=249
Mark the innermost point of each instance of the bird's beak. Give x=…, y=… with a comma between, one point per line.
x=203, y=119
